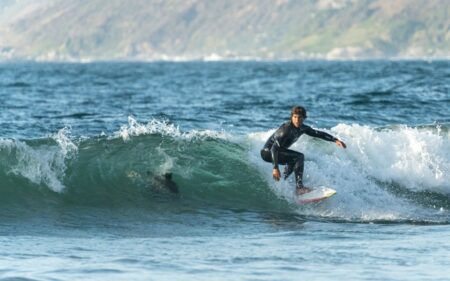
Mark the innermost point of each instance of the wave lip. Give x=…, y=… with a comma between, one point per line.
x=165, y=128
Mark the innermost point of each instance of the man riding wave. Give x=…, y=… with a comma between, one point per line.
x=276, y=148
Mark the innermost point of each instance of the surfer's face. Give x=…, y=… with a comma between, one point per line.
x=297, y=120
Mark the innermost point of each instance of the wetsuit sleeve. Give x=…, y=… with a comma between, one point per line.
x=319, y=134
x=278, y=137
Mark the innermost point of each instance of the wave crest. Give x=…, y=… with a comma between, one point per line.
x=165, y=128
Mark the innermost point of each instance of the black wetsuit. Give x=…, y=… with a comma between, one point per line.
x=276, y=149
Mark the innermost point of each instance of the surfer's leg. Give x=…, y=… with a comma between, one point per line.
x=298, y=170
x=283, y=158
x=288, y=170
x=299, y=159
x=294, y=161
x=266, y=155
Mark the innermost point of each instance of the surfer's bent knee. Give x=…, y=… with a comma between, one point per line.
x=266, y=155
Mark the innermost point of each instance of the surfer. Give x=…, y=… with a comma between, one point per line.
x=164, y=181
x=276, y=149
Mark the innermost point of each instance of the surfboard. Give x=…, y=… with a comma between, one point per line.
x=317, y=194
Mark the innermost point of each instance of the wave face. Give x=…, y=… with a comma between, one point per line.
x=126, y=170
x=386, y=174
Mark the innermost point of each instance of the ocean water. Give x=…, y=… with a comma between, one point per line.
x=83, y=148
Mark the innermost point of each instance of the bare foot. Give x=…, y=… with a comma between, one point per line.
x=301, y=191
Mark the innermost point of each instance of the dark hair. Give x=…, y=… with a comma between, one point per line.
x=299, y=110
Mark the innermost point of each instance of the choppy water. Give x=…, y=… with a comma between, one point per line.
x=82, y=147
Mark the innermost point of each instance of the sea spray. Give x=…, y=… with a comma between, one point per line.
x=43, y=162
x=165, y=128
x=416, y=158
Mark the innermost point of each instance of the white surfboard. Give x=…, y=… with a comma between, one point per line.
x=317, y=194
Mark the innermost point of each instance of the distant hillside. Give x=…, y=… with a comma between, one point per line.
x=215, y=29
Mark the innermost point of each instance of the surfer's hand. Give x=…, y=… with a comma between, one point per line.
x=341, y=144
x=276, y=174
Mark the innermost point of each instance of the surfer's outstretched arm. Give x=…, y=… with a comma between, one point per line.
x=325, y=136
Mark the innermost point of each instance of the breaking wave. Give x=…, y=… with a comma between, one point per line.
x=396, y=173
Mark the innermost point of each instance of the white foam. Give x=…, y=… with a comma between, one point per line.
x=415, y=159
x=155, y=126
x=42, y=164
x=62, y=138
x=167, y=165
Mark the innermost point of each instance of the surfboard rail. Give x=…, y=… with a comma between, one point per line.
x=316, y=195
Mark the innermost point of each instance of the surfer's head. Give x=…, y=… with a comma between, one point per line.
x=299, y=110
x=298, y=114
